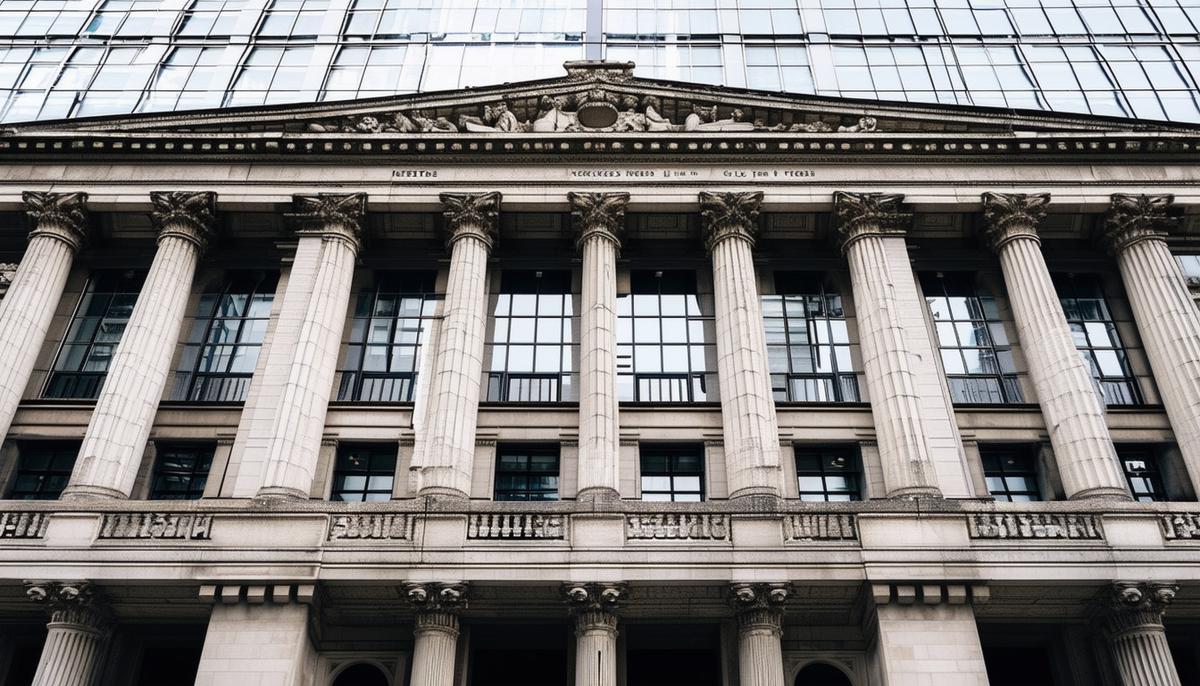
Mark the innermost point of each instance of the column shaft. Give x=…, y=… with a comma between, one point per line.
x=595, y=648
x=116, y=436
x=73, y=655
x=434, y=649
x=1134, y=629
x=760, y=652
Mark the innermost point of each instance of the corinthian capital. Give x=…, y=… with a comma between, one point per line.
x=437, y=597
x=729, y=215
x=857, y=215
x=60, y=215
x=187, y=214
x=759, y=606
x=1135, y=218
x=598, y=214
x=1012, y=215
x=1133, y=605
x=70, y=603
x=471, y=214
x=331, y=214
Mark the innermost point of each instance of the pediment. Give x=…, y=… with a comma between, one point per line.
x=602, y=98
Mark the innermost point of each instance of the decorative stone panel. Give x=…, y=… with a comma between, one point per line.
x=23, y=525
x=1028, y=525
x=366, y=527
x=673, y=526
x=820, y=527
x=505, y=526
x=156, y=525
x=1180, y=526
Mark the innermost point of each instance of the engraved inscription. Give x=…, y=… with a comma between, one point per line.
x=1026, y=525
x=501, y=526
x=1180, y=526
x=23, y=524
x=156, y=525
x=370, y=527
x=820, y=527
x=671, y=526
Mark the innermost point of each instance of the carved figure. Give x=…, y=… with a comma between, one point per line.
x=551, y=116
x=629, y=119
x=864, y=125
x=427, y=125
x=655, y=121
x=705, y=119
x=496, y=118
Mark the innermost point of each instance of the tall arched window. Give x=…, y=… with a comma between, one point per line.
x=361, y=674
x=822, y=674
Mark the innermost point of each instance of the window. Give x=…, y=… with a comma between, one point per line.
x=974, y=347
x=363, y=72
x=1095, y=335
x=527, y=472
x=673, y=473
x=386, y=337
x=95, y=332
x=662, y=334
x=211, y=18
x=533, y=354
x=275, y=74
x=1011, y=472
x=190, y=78
x=181, y=471
x=293, y=18
x=828, y=474
x=227, y=334
x=1141, y=468
x=43, y=469
x=808, y=343
x=364, y=473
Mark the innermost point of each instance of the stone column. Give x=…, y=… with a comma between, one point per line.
x=76, y=637
x=298, y=418
x=751, y=431
x=759, y=609
x=116, y=436
x=1134, y=629
x=435, y=632
x=865, y=222
x=594, y=606
x=1135, y=231
x=920, y=630
x=443, y=457
x=59, y=228
x=1071, y=406
x=599, y=220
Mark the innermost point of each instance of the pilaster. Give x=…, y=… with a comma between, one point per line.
x=435, y=630
x=60, y=227
x=920, y=629
x=116, y=436
x=760, y=609
x=292, y=449
x=258, y=633
x=1070, y=403
x=1132, y=614
x=870, y=230
x=594, y=606
x=1135, y=232
x=751, y=430
x=77, y=634
x=444, y=454
x=599, y=221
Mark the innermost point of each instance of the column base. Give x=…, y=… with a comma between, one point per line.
x=598, y=496
x=1102, y=493
x=756, y=499
x=916, y=493
x=89, y=492
x=443, y=498
x=280, y=493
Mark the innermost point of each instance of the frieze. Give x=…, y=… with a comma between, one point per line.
x=366, y=527
x=504, y=526
x=156, y=525
x=682, y=527
x=23, y=525
x=820, y=527
x=1029, y=525
x=1180, y=526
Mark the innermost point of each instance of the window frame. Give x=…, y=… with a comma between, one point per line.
x=673, y=452
x=1064, y=282
x=500, y=383
x=836, y=378
x=373, y=451
x=57, y=450
x=1152, y=474
x=200, y=451
x=1030, y=471
x=853, y=474
x=527, y=451
x=686, y=387
x=96, y=379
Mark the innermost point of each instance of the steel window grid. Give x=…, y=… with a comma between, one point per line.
x=517, y=464
x=1145, y=482
x=79, y=382
x=672, y=456
x=823, y=458
x=56, y=458
x=1003, y=465
x=1122, y=389
x=181, y=471
x=686, y=385
x=842, y=383
x=533, y=385
x=370, y=462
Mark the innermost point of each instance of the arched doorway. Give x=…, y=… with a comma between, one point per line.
x=822, y=674
x=361, y=674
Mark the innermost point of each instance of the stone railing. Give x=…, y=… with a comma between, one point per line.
x=370, y=527
x=1180, y=526
x=155, y=525
x=1034, y=525
x=819, y=527
x=677, y=526
x=23, y=525
x=516, y=526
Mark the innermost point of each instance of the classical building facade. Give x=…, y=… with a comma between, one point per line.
x=599, y=380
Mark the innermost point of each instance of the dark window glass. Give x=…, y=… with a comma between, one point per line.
x=974, y=347
x=828, y=473
x=662, y=346
x=821, y=674
x=673, y=473
x=181, y=471
x=533, y=350
x=361, y=675
x=1095, y=334
x=387, y=335
x=1011, y=472
x=43, y=469
x=527, y=472
x=364, y=473
x=96, y=329
x=226, y=337
x=808, y=343
x=1141, y=468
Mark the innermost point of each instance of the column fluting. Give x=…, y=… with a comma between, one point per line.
x=298, y=421
x=116, y=436
x=864, y=222
x=1135, y=231
x=1071, y=405
x=444, y=456
x=599, y=220
x=435, y=632
x=750, y=427
x=60, y=224
x=759, y=610
x=76, y=636
x=1136, y=638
